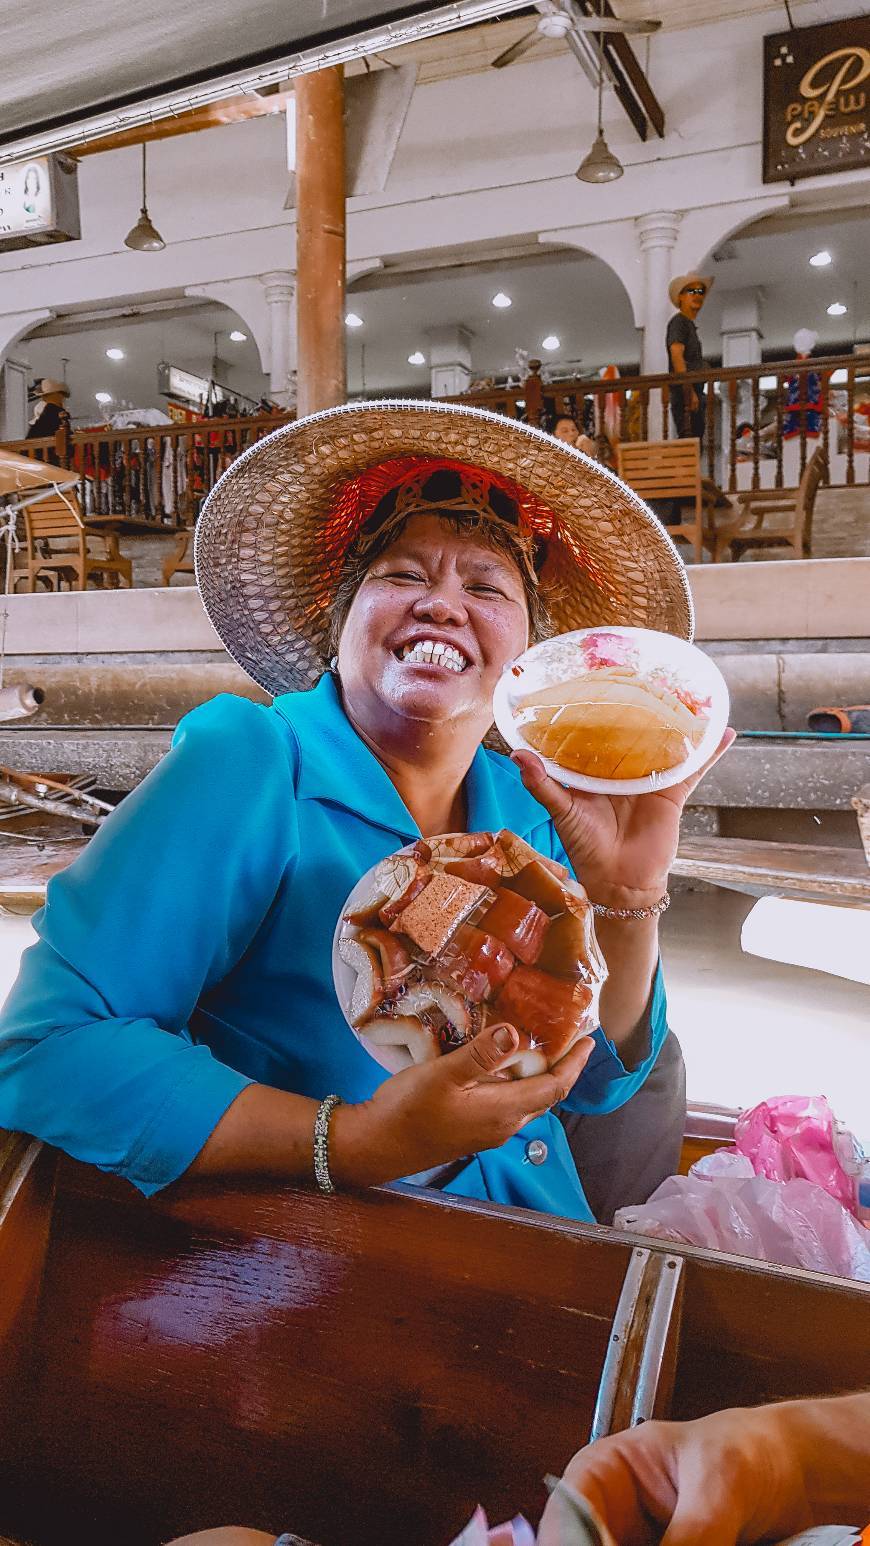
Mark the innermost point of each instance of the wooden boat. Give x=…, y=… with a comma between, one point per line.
x=360, y=1369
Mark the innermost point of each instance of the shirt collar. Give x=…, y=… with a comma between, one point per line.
x=337, y=768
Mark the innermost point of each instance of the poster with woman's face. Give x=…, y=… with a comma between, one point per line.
x=25, y=196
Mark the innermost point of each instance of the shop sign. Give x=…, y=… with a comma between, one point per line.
x=39, y=202
x=817, y=100
x=174, y=382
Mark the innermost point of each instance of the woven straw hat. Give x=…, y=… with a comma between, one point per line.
x=682, y=282
x=273, y=533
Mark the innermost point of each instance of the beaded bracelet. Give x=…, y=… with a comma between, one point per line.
x=629, y=914
x=321, y=1143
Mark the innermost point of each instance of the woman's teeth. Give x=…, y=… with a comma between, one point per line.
x=431, y=651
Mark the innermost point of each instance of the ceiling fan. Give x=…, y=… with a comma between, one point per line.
x=564, y=19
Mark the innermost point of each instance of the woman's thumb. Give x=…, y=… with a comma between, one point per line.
x=487, y=1053
x=553, y=796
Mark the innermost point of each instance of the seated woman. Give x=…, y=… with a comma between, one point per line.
x=178, y=1014
x=568, y=432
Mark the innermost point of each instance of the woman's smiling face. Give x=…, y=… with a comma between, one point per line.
x=436, y=619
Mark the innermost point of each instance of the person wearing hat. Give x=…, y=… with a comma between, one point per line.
x=803, y=393
x=53, y=414
x=178, y=1013
x=688, y=293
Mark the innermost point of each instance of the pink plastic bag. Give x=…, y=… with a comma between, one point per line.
x=722, y=1205
x=792, y=1137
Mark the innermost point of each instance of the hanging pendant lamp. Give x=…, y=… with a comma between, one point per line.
x=144, y=237
x=600, y=165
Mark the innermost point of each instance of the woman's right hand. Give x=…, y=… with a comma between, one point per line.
x=441, y=1111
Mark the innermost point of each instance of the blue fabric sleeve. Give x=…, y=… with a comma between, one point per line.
x=605, y=1083
x=95, y=1056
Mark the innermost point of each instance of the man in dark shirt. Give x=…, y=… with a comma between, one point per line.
x=53, y=411
x=51, y=417
x=688, y=293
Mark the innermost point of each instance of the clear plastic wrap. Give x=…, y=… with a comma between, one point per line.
x=614, y=710
x=456, y=932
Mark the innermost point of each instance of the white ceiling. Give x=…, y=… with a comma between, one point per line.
x=183, y=336
x=583, y=303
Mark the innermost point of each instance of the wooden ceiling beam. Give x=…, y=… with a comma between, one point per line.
x=630, y=81
x=212, y=116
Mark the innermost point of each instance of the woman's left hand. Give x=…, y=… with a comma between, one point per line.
x=621, y=847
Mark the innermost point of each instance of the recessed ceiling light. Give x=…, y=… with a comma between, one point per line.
x=103, y=397
x=238, y=337
x=837, y=309
x=550, y=342
x=115, y=354
x=417, y=358
x=352, y=320
x=501, y=300
x=821, y=259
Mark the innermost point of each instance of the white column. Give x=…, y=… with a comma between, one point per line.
x=280, y=289
x=449, y=359
x=657, y=234
x=741, y=328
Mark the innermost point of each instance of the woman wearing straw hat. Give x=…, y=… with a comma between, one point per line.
x=178, y=1013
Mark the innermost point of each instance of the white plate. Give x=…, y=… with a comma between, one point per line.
x=551, y=661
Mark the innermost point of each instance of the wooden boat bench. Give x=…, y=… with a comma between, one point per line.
x=359, y=1369
x=804, y=871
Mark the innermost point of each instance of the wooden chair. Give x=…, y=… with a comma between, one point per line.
x=774, y=518
x=57, y=546
x=668, y=469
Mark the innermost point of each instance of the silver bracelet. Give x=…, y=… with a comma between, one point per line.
x=628, y=914
x=321, y=1143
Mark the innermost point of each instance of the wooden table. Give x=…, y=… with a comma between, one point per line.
x=804, y=871
x=111, y=527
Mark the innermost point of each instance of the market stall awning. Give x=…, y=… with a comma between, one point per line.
x=23, y=474
x=71, y=72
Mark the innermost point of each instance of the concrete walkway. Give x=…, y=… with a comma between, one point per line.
x=752, y=1028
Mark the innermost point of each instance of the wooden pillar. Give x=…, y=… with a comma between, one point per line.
x=320, y=241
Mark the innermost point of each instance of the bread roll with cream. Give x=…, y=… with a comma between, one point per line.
x=610, y=724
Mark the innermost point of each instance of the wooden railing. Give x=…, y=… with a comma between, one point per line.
x=157, y=476
x=784, y=411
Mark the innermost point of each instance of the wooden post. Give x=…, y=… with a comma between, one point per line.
x=320, y=241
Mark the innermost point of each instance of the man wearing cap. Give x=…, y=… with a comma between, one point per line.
x=53, y=413
x=688, y=293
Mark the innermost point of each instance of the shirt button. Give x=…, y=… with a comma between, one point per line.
x=536, y=1151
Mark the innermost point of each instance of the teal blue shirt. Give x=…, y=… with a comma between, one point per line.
x=188, y=952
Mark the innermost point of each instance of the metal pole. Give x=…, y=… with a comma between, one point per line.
x=320, y=241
